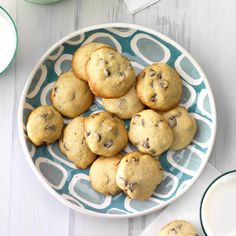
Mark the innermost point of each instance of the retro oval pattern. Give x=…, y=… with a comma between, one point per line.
x=179, y=167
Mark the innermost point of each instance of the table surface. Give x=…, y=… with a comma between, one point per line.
x=205, y=28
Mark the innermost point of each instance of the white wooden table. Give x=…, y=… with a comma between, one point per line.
x=205, y=28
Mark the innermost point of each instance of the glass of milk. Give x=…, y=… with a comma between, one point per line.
x=43, y=1
x=8, y=40
x=218, y=206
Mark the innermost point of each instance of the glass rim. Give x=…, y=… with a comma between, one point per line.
x=16, y=36
x=42, y=3
x=206, y=191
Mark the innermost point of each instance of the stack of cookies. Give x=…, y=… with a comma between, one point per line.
x=150, y=101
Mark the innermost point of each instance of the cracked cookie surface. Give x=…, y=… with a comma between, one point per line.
x=124, y=107
x=159, y=87
x=103, y=175
x=138, y=175
x=70, y=95
x=110, y=74
x=44, y=125
x=81, y=57
x=74, y=146
x=178, y=228
x=105, y=133
x=183, y=125
x=150, y=133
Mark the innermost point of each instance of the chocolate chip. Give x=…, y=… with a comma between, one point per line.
x=142, y=122
x=134, y=118
x=121, y=75
x=107, y=72
x=146, y=144
x=173, y=230
x=88, y=133
x=172, y=121
x=50, y=127
x=135, y=159
x=83, y=140
x=44, y=115
x=152, y=73
x=152, y=83
x=132, y=186
x=55, y=90
x=159, y=76
x=108, y=144
x=164, y=84
x=99, y=137
x=178, y=226
x=154, y=98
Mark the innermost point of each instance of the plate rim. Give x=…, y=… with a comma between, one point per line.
x=29, y=158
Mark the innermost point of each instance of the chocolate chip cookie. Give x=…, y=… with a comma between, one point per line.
x=74, y=145
x=44, y=125
x=150, y=133
x=159, y=87
x=178, y=228
x=105, y=134
x=183, y=125
x=70, y=95
x=103, y=175
x=81, y=56
x=138, y=175
x=110, y=74
x=124, y=107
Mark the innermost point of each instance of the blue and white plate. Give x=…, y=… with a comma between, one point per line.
x=143, y=47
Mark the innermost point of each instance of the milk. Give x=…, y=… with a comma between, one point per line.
x=219, y=207
x=8, y=40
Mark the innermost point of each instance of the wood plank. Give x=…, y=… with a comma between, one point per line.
x=187, y=206
x=213, y=43
x=33, y=210
x=7, y=89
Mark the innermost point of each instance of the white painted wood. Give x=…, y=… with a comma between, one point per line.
x=186, y=207
x=205, y=28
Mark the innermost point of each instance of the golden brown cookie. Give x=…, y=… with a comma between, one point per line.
x=103, y=175
x=110, y=74
x=124, y=107
x=178, y=228
x=105, y=134
x=44, y=125
x=81, y=56
x=138, y=175
x=150, y=133
x=74, y=145
x=70, y=95
x=183, y=125
x=159, y=87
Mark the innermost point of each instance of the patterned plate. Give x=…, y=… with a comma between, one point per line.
x=143, y=47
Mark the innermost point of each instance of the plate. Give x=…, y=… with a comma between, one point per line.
x=143, y=47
